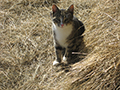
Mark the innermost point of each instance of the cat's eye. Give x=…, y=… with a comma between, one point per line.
x=68, y=15
x=66, y=20
x=56, y=20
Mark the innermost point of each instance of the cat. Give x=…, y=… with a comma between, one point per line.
x=67, y=31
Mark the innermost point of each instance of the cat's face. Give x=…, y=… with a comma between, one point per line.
x=62, y=17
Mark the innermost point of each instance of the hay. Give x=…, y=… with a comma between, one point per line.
x=27, y=51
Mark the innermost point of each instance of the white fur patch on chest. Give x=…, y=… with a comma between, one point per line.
x=62, y=33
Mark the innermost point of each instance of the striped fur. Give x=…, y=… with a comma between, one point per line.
x=67, y=32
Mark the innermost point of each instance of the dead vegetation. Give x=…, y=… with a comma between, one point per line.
x=27, y=52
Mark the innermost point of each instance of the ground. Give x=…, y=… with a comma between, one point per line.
x=27, y=51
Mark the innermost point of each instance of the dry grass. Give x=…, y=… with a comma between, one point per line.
x=27, y=52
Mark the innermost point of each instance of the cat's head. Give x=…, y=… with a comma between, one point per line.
x=62, y=17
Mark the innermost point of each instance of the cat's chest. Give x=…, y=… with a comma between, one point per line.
x=61, y=34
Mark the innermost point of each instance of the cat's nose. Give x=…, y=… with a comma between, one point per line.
x=62, y=25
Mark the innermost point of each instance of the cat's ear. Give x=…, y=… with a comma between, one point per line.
x=71, y=9
x=55, y=8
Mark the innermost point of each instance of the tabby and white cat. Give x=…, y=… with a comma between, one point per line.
x=67, y=31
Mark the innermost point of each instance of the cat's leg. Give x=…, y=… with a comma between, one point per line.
x=63, y=54
x=68, y=55
x=58, y=50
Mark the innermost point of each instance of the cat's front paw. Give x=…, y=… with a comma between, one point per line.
x=64, y=59
x=55, y=63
